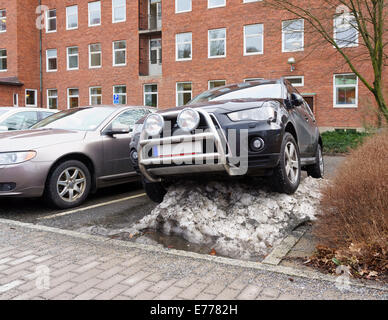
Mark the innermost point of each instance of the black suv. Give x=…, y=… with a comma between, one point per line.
x=260, y=128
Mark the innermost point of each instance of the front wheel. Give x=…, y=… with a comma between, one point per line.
x=286, y=177
x=154, y=190
x=317, y=170
x=68, y=185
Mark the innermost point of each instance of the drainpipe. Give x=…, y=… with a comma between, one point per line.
x=40, y=64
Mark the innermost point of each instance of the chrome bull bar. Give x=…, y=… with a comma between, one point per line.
x=153, y=175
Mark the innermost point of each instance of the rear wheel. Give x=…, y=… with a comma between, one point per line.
x=286, y=177
x=155, y=190
x=68, y=185
x=317, y=170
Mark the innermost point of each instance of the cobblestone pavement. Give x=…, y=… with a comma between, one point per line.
x=41, y=263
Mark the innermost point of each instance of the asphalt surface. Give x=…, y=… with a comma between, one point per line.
x=108, y=210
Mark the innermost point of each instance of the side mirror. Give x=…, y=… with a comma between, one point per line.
x=296, y=99
x=118, y=128
x=3, y=128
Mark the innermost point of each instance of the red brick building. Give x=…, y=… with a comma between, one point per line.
x=164, y=52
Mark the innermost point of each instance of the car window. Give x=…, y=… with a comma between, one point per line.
x=21, y=120
x=129, y=118
x=44, y=115
x=308, y=110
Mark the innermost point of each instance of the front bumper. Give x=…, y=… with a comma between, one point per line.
x=223, y=160
x=28, y=179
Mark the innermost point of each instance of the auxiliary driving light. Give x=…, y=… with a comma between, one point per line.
x=188, y=120
x=154, y=124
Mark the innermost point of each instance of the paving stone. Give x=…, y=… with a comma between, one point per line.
x=192, y=291
x=136, y=278
x=228, y=294
x=250, y=292
x=109, y=273
x=82, y=287
x=108, y=283
x=169, y=293
x=111, y=293
x=87, y=267
x=89, y=294
x=270, y=292
x=215, y=288
x=145, y=295
x=161, y=285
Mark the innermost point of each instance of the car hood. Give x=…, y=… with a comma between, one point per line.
x=224, y=106
x=35, y=139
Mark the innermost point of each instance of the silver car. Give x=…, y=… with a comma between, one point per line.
x=12, y=118
x=69, y=155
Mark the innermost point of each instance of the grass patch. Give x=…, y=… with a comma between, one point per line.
x=341, y=141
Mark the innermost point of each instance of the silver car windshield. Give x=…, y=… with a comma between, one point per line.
x=242, y=91
x=88, y=119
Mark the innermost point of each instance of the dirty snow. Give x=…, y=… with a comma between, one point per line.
x=238, y=220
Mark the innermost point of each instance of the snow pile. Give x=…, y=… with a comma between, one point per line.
x=237, y=219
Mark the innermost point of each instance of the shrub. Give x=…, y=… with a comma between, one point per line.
x=341, y=141
x=354, y=219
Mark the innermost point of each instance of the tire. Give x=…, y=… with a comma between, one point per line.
x=286, y=180
x=317, y=170
x=154, y=190
x=74, y=194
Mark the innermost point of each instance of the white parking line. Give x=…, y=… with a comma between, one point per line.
x=91, y=207
x=10, y=286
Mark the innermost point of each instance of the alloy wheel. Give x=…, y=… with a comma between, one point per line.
x=71, y=184
x=291, y=163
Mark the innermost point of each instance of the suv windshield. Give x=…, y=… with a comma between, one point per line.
x=248, y=90
x=88, y=119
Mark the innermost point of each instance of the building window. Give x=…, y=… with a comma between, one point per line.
x=216, y=3
x=296, y=81
x=3, y=20
x=184, y=93
x=15, y=100
x=72, y=98
x=3, y=60
x=182, y=6
x=95, y=55
x=94, y=13
x=95, y=96
x=72, y=58
x=345, y=30
x=71, y=17
x=120, y=95
x=119, y=11
x=345, y=90
x=151, y=95
x=31, y=98
x=216, y=83
x=119, y=53
x=293, y=35
x=217, y=43
x=51, y=19
x=253, y=39
x=183, y=46
x=253, y=79
x=51, y=60
x=52, y=98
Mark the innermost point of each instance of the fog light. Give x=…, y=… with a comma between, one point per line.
x=257, y=144
x=134, y=155
x=5, y=187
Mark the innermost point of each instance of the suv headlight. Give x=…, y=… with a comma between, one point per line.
x=188, y=119
x=154, y=124
x=8, y=158
x=257, y=114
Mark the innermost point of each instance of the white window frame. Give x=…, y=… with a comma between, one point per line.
x=5, y=18
x=217, y=6
x=344, y=106
x=47, y=60
x=15, y=95
x=120, y=94
x=210, y=81
x=48, y=98
x=287, y=32
x=5, y=58
x=89, y=22
x=114, y=54
x=67, y=17
x=71, y=96
x=36, y=98
x=71, y=55
x=296, y=77
x=177, y=92
x=47, y=21
x=250, y=1
x=183, y=11
x=151, y=93
x=90, y=57
x=183, y=43
x=113, y=12
x=351, y=45
x=210, y=40
x=252, y=79
x=254, y=36
x=94, y=95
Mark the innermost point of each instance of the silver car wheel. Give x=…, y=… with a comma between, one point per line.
x=321, y=164
x=291, y=163
x=71, y=184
